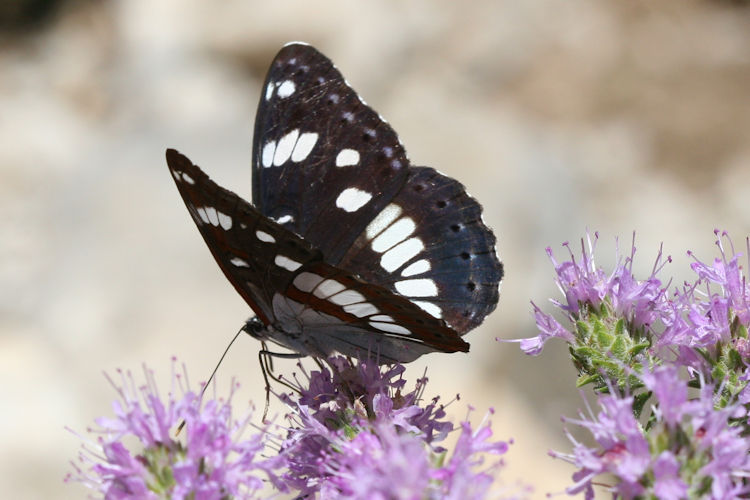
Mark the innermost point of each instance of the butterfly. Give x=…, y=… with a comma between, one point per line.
x=347, y=247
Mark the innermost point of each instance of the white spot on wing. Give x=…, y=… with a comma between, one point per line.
x=417, y=288
x=418, y=267
x=347, y=157
x=347, y=297
x=362, y=309
x=383, y=220
x=213, y=217
x=284, y=219
x=390, y=327
x=269, y=90
x=429, y=308
x=187, y=178
x=400, y=254
x=268, y=151
x=202, y=214
x=383, y=317
x=307, y=282
x=284, y=147
x=287, y=263
x=328, y=288
x=286, y=89
x=236, y=261
x=225, y=221
x=304, y=145
x=396, y=233
x=352, y=199
x=265, y=237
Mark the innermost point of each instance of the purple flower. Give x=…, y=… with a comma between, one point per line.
x=461, y=477
x=585, y=285
x=363, y=438
x=352, y=433
x=592, y=294
x=727, y=273
x=641, y=302
x=380, y=462
x=581, y=282
x=549, y=327
x=670, y=391
x=667, y=482
x=350, y=391
x=213, y=460
x=689, y=444
x=622, y=450
x=616, y=322
x=712, y=312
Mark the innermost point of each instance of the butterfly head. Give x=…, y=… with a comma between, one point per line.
x=276, y=333
x=255, y=328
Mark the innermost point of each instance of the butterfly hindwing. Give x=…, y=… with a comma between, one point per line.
x=430, y=245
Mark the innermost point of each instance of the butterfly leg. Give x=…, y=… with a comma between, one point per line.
x=265, y=358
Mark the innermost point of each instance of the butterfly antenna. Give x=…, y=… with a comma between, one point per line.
x=205, y=386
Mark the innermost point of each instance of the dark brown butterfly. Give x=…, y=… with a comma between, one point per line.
x=347, y=247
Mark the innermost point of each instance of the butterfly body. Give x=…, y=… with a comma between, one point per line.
x=347, y=247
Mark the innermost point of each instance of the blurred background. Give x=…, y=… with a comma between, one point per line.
x=557, y=115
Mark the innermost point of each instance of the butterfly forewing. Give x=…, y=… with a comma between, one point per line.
x=254, y=253
x=324, y=163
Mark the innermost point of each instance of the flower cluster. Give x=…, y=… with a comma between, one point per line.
x=643, y=350
x=214, y=460
x=352, y=433
x=352, y=426
x=689, y=449
x=611, y=316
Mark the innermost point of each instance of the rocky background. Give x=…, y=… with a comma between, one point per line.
x=558, y=115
